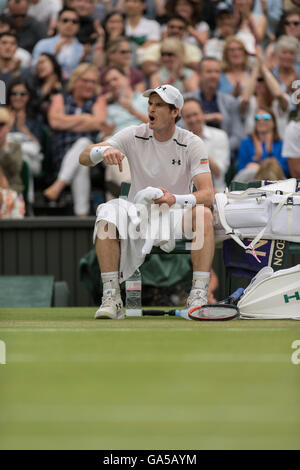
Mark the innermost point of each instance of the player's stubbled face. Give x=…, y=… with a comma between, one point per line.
x=159, y=113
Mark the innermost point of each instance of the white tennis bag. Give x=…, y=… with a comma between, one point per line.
x=269, y=212
x=272, y=295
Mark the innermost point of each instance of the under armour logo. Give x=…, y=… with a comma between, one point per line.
x=176, y=162
x=162, y=88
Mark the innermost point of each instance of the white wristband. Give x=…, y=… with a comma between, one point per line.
x=96, y=154
x=185, y=199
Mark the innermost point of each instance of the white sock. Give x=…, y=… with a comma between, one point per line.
x=200, y=280
x=110, y=281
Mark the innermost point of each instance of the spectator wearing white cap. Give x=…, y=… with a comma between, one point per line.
x=168, y=159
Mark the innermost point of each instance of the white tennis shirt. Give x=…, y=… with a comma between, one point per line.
x=171, y=164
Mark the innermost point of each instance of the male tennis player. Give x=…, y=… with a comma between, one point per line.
x=160, y=154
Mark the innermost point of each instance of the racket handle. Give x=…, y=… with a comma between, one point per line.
x=236, y=294
x=154, y=313
x=184, y=313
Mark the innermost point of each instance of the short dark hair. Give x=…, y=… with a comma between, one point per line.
x=193, y=100
x=177, y=17
x=7, y=20
x=113, y=67
x=8, y=33
x=172, y=107
x=67, y=9
x=207, y=59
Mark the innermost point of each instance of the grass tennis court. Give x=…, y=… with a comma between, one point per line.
x=71, y=382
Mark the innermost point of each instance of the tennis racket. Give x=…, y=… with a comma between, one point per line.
x=227, y=310
x=224, y=310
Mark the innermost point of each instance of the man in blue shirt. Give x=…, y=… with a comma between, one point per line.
x=65, y=46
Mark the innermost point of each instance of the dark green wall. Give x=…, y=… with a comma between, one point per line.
x=44, y=245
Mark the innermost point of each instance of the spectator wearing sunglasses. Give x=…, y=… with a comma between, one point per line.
x=177, y=26
x=26, y=127
x=192, y=11
x=25, y=118
x=289, y=26
x=263, y=90
x=263, y=143
x=10, y=65
x=28, y=30
x=75, y=118
x=172, y=70
x=64, y=46
x=118, y=54
x=113, y=27
x=288, y=71
x=7, y=26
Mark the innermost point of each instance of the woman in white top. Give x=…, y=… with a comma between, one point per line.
x=263, y=90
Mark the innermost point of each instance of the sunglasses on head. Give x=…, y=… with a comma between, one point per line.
x=263, y=117
x=290, y=23
x=19, y=93
x=69, y=20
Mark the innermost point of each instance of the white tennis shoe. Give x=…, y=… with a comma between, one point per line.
x=196, y=298
x=111, y=307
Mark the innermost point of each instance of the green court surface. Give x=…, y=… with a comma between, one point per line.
x=71, y=382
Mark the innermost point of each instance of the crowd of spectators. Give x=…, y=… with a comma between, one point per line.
x=75, y=72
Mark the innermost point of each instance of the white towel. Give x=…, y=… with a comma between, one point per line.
x=134, y=227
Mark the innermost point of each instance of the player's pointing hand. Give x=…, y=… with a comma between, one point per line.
x=113, y=156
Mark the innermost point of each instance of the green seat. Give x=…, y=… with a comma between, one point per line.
x=32, y=292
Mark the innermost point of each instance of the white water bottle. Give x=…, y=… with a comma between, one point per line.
x=134, y=295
